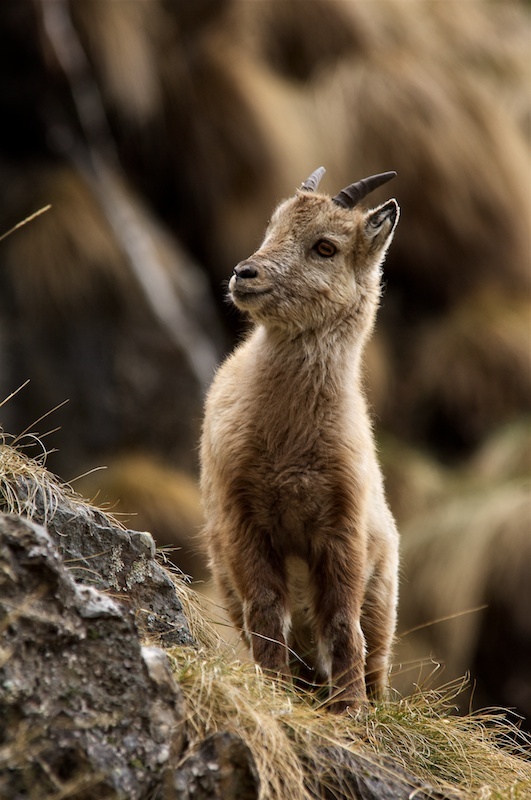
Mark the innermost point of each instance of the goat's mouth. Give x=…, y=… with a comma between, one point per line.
x=248, y=293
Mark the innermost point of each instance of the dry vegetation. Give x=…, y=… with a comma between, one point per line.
x=24, y=477
x=473, y=756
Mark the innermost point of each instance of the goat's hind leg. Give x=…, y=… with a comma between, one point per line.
x=378, y=622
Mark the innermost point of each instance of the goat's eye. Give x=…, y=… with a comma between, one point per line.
x=324, y=248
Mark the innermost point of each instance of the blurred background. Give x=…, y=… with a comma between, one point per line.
x=163, y=132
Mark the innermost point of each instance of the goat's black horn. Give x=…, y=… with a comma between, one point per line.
x=311, y=183
x=353, y=194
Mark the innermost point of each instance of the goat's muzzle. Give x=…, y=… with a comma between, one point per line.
x=244, y=270
x=246, y=284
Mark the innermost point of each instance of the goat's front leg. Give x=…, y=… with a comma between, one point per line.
x=338, y=592
x=265, y=616
x=261, y=582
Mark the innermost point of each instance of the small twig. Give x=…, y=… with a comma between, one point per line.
x=25, y=221
x=16, y=390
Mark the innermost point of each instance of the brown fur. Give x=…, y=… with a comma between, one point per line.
x=297, y=526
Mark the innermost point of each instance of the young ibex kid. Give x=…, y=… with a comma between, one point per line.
x=301, y=541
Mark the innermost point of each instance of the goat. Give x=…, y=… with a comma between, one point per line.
x=301, y=542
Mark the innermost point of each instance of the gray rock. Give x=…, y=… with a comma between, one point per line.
x=100, y=554
x=83, y=705
x=222, y=768
x=366, y=777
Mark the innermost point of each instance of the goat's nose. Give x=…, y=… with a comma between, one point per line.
x=245, y=269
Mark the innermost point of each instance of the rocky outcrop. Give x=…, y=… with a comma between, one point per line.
x=86, y=708
x=122, y=562
x=223, y=768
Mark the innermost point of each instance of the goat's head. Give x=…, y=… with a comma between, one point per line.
x=320, y=259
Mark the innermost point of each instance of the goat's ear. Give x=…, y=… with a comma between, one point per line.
x=380, y=222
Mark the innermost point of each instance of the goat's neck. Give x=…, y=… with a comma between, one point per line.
x=312, y=362
x=305, y=384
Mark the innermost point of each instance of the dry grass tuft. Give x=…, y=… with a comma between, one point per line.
x=297, y=745
x=24, y=479
x=27, y=488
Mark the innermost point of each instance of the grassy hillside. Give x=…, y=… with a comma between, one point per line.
x=296, y=743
